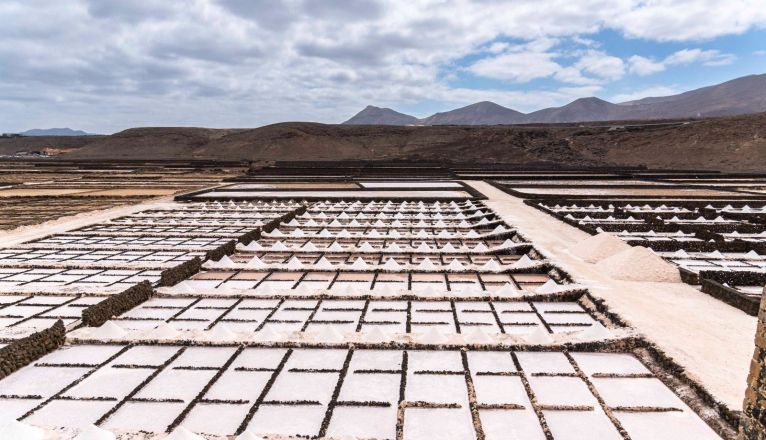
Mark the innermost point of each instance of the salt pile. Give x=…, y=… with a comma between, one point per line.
x=108, y=330
x=93, y=432
x=550, y=286
x=163, y=331
x=13, y=429
x=433, y=336
x=539, y=336
x=183, y=287
x=639, y=264
x=597, y=247
x=220, y=332
x=594, y=332
x=247, y=435
x=182, y=433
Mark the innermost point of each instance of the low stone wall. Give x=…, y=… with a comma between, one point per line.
x=23, y=352
x=221, y=251
x=115, y=305
x=752, y=425
x=174, y=275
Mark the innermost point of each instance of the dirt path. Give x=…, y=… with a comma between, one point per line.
x=712, y=340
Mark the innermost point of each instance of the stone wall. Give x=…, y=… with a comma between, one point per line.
x=116, y=305
x=24, y=351
x=753, y=422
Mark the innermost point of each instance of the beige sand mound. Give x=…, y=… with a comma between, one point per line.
x=597, y=247
x=639, y=264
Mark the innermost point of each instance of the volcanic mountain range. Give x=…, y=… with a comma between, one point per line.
x=738, y=96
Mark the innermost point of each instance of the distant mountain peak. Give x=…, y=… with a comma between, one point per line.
x=735, y=97
x=53, y=132
x=381, y=116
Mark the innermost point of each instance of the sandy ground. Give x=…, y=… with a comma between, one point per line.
x=712, y=340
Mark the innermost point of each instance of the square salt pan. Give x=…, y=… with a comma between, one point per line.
x=370, y=387
x=302, y=420
x=609, y=363
x=27, y=380
x=581, y=425
x=363, y=422
x=438, y=423
x=511, y=425
x=543, y=362
x=69, y=413
x=176, y=384
x=636, y=392
x=215, y=419
x=561, y=391
x=239, y=385
x=665, y=426
x=144, y=416
x=435, y=361
x=436, y=389
x=316, y=387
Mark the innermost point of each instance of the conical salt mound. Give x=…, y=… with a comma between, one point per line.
x=221, y=332
x=323, y=264
x=279, y=246
x=309, y=246
x=183, y=287
x=335, y=247
x=163, y=331
x=539, y=336
x=597, y=247
x=375, y=335
x=182, y=433
x=255, y=263
x=224, y=263
x=506, y=290
x=639, y=264
x=359, y=264
x=595, y=331
x=109, y=330
x=426, y=264
x=523, y=262
x=391, y=265
x=93, y=432
x=550, y=286
x=268, y=334
x=433, y=336
x=329, y=333
x=455, y=266
x=492, y=266
x=252, y=246
x=13, y=429
x=247, y=435
x=294, y=263
x=477, y=336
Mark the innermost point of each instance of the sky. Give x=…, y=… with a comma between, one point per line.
x=104, y=66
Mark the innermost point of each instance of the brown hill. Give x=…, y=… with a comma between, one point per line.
x=729, y=143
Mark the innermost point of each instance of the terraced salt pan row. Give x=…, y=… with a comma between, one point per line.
x=363, y=393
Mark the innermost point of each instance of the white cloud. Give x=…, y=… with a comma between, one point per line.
x=602, y=65
x=644, y=66
x=516, y=67
x=103, y=66
x=654, y=91
x=706, y=57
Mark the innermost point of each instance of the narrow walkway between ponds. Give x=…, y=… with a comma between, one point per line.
x=710, y=339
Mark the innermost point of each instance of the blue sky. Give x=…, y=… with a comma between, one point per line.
x=104, y=66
